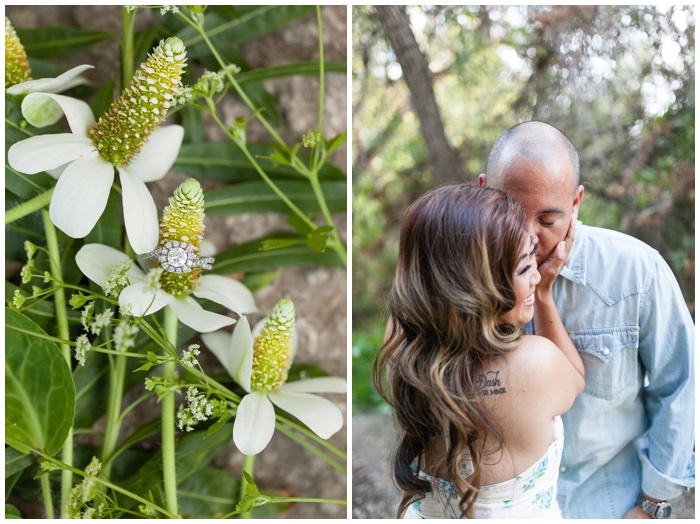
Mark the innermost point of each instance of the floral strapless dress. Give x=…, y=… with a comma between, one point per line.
x=532, y=494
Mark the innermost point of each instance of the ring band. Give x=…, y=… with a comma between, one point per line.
x=179, y=257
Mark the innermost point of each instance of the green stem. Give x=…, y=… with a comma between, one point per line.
x=114, y=404
x=99, y=480
x=62, y=323
x=312, y=436
x=168, y=420
x=304, y=499
x=337, y=244
x=328, y=460
x=248, y=466
x=321, y=82
x=128, y=19
x=260, y=170
x=200, y=29
x=28, y=207
x=48, y=499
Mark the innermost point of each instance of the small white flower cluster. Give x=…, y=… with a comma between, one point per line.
x=125, y=335
x=211, y=83
x=153, y=278
x=189, y=356
x=199, y=408
x=169, y=9
x=84, y=492
x=95, y=323
x=182, y=95
x=18, y=299
x=82, y=346
x=117, y=280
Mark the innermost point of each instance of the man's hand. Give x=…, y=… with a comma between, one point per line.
x=636, y=513
x=549, y=269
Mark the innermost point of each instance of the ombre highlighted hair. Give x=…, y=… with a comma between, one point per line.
x=453, y=281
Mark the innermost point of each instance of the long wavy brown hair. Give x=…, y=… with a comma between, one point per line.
x=454, y=278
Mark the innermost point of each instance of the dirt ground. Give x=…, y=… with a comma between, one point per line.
x=374, y=496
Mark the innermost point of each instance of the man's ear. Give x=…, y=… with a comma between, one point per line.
x=482, y=179
x=577, y=200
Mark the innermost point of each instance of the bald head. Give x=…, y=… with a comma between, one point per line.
x=533, y=142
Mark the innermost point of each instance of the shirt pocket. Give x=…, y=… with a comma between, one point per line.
x=610, y=358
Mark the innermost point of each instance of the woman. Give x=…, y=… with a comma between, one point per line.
x=477, y=401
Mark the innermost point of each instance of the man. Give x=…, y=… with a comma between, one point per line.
x=630, y=434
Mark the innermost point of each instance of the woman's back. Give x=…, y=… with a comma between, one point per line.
x=524, y=391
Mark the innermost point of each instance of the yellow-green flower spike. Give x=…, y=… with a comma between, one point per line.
x=272, y=350
x=183, y=221
x=122, y=131
x=17, y=68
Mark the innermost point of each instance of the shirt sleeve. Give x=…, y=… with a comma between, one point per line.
x=666, y=348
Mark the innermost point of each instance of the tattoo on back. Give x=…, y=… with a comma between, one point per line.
x=490, y=384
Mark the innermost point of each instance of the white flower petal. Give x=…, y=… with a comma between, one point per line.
x=316, y=385
x=140, y=299
x=140, y=213
x=227, y=292
x=319, y=414
x=39, y=153
x=61, y=83
x=254, y=424
x=81, y=195
x=219, y=343
x=195, y=316
x=158, y=155
x=207, y=248
x=96, y=261
x=42, y=109
x=242, y=350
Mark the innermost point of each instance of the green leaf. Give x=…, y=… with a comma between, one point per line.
x=238, y=25
x=40, y=394
x=12, y=512
x=257, y=281
x=16, y=461
x=225, y=161
x=335, y=142
x=103, y=98
x=223, y=419
x=258, y=197
x=280, y=243
x=306, y=67
x=56, y=42
x=248, y=257
x=192, y=453
x=210, y=493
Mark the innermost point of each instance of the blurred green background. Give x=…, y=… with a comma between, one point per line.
x=618, y=80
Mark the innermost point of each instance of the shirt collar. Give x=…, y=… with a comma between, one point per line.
x=575, y=269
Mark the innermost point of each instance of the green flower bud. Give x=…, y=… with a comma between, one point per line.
x=183, y=221
x=272, y=350
x=121, y=132
x=17, y=68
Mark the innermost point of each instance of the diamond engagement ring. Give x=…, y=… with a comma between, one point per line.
x=179, y=257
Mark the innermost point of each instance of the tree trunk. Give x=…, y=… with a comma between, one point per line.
x=444, y=159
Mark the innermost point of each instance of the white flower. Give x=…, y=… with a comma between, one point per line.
x=126, y=137
x=40, y=107
x=97, y=262
x=255, y=419
x=83, y=187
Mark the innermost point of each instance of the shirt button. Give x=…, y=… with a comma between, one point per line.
x=562, y=469
x=606, y=352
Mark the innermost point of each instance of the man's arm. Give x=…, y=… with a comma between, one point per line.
x=666, y=348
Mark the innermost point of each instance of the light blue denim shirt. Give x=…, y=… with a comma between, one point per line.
x=632, y=428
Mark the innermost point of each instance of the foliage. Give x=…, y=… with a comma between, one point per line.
x=59, y=312
x=618, y=80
